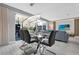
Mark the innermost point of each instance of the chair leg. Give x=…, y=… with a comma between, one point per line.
x=37, y=48
x=45, y=49
x=42, y=50
x=50, y=51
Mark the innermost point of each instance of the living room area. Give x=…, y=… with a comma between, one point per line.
x=40, y=22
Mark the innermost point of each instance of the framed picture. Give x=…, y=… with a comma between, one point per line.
x=64, y=27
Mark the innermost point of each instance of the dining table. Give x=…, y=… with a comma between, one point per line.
x=40, y=37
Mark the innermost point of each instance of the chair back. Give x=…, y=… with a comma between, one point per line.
x=25, y=36
x=52, y=38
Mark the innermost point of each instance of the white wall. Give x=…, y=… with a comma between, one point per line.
x=50, y=11
x=11, y=24
x=70, y=22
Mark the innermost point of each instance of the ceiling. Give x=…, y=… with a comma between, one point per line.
x=50, y=11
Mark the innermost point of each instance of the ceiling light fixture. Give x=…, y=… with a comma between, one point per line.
x=31, y=4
